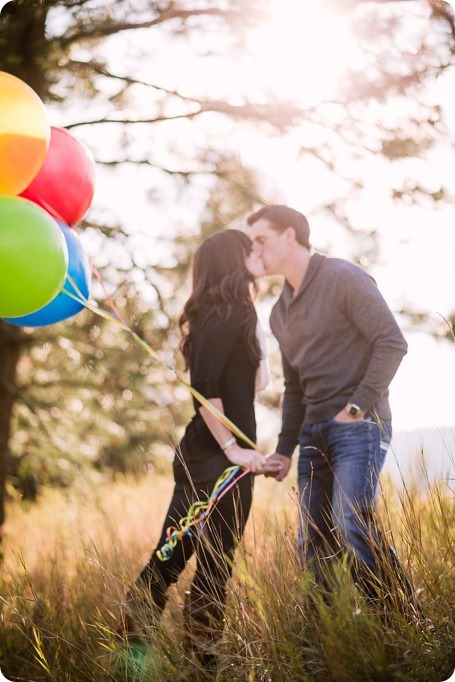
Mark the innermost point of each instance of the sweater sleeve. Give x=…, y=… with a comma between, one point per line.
x=213, y=340
x=293, y=411
x=373, y=318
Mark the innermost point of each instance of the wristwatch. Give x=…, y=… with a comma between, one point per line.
x=355, y=411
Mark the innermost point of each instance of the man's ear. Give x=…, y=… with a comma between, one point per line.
x=289, y=233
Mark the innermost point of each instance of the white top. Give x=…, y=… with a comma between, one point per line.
x=262, y=372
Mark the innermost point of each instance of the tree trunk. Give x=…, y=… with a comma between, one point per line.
x=24, y=48
x=11, y=341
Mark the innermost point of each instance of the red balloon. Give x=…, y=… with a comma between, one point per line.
x=65, y=184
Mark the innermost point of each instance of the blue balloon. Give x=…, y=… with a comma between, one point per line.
x=63, y=306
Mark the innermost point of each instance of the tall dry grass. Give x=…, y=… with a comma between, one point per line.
x=70, y=558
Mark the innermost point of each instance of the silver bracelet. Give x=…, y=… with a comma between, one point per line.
x=229, y=442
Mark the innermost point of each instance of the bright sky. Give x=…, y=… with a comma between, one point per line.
x=302, y=55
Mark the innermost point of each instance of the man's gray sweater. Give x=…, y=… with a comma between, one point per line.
x=340, y=344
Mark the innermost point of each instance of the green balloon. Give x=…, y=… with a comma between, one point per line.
x=33, y=257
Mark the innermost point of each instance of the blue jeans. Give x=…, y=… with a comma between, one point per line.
x=338, y=473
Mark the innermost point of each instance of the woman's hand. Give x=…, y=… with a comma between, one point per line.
x=249, y=459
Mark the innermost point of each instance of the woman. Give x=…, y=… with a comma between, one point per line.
x=222, y=351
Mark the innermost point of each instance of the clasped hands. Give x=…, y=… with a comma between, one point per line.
x=276, y=465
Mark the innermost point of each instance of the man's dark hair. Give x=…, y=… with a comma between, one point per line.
x=282, y=217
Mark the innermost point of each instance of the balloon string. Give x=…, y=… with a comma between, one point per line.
x=108, y=298
x=245, y=472
x=199, y=397
x=199, y=512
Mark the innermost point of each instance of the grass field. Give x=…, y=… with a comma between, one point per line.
x=70, y=557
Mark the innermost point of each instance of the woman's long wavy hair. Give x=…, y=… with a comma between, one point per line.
x=220, y=278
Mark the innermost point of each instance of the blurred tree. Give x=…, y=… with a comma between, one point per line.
x=11, y=342
x=87, y=390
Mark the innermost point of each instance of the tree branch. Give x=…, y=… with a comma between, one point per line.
x=280, y=116
x=101, y=69
x=158, y=119
x=146, y=162
x=102, y=31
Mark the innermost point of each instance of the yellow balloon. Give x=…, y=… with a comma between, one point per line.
x=24, y=134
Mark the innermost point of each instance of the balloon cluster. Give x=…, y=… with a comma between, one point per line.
x=46, y=186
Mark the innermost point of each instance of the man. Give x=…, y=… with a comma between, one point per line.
x=341, y=347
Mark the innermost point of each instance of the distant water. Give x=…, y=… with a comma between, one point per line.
x=422, y=454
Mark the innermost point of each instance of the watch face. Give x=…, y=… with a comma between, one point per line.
x=354, y=411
